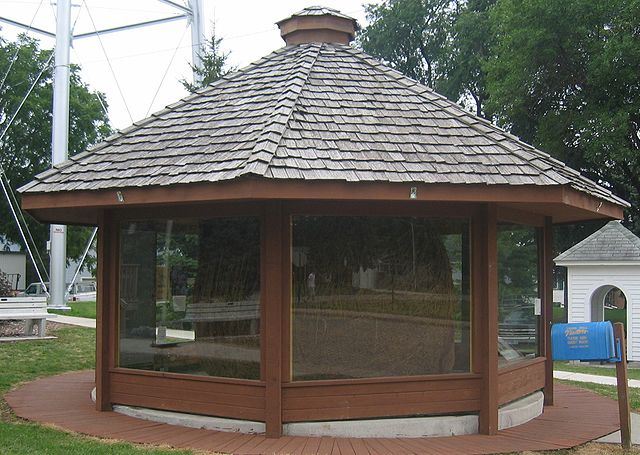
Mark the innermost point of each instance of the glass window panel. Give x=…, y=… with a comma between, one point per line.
x=518, y=292
x=190, y=296
x=378, y=296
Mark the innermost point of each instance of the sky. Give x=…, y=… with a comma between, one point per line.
x=139, y=70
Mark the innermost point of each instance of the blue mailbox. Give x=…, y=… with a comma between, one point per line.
x=583, y=341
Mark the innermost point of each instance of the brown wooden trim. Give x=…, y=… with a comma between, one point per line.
x=287, y=297
x=47, y=206
x=365, y=398
x=516, y=216
x=381, y=208
x=103, y=322
x=386, y=381
x=485, y=272
x=184, y=393
x=521, y=379
x=547, y=307
x=132, y=372
x=193, y=210
x=113, y=228
x=273, y=308
x=520, y=364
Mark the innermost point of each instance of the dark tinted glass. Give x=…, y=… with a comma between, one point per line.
x=376, y=296
x=518, y=302
x=190, y=296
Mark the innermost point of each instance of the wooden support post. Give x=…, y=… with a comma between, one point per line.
x=623, y=387
x=546, y=280
x=485, y=285
x=272, y=301
x=103, y=320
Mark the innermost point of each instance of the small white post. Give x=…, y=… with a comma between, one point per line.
x=197, y=38
x=60, y=147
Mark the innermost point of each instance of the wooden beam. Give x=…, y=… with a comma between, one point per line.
x=103, y=320
x=546, y=279
x=485, y=293
x=272, y=304
x=577, y=205
x=287, y=297
x=516, y=216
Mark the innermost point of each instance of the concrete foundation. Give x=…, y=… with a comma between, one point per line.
x=510, y=415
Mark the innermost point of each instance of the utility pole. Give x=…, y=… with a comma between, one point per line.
x=60, y=127
x=60, y=148
x=197, y=38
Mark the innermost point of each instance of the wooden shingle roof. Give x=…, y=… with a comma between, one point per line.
x=612, y=243
x=313, y=112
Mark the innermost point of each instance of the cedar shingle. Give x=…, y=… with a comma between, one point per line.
x=313, y=112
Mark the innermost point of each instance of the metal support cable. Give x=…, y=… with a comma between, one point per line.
x=13, y=211
x=84, y=256
x=35, y=82
x=104, y=51
x=166, y=71
x=15, y=54
x=13, y=200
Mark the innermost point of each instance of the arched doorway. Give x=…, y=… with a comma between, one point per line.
x=609, y=303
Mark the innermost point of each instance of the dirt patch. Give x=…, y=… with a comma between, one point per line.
x=6, y=414
x=17, y=328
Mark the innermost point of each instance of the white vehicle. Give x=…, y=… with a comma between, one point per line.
x=34, y=290
x=82, y=291
x=78, y=292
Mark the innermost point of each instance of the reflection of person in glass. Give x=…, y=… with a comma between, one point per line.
x=311, y=285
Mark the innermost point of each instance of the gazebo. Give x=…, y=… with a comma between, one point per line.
x=607, y=263
x=317, y=237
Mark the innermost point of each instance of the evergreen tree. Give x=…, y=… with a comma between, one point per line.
x=214, y=65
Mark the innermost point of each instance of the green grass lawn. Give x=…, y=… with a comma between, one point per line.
x=559, y=314
x=610, y=391
x=633, y=373
x=79, y=309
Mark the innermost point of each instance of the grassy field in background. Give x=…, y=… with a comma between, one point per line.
x=79, y=309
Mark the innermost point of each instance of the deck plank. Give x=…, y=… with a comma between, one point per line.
x=64, y=401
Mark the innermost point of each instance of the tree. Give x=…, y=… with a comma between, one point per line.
x=214, y=65
x=564, y=77
x=5, y=285
x=441, y=43
x=25, y=150
x=470, y=45
x=410, y=35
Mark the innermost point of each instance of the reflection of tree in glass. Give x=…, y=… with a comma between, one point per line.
x=517, y=265
x=228, y=260
x=385, y=301
x=407, y=254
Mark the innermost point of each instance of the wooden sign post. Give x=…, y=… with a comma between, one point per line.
x=623, y=387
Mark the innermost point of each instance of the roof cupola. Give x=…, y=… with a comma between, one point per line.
x=317, y=24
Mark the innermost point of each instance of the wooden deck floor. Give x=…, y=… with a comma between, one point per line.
x=578, y=416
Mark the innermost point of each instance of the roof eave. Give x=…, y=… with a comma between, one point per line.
x=562, y=204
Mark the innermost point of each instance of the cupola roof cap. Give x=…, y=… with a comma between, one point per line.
x=318, y=24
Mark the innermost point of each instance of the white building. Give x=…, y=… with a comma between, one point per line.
x=605, y=269
x=14, y=264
